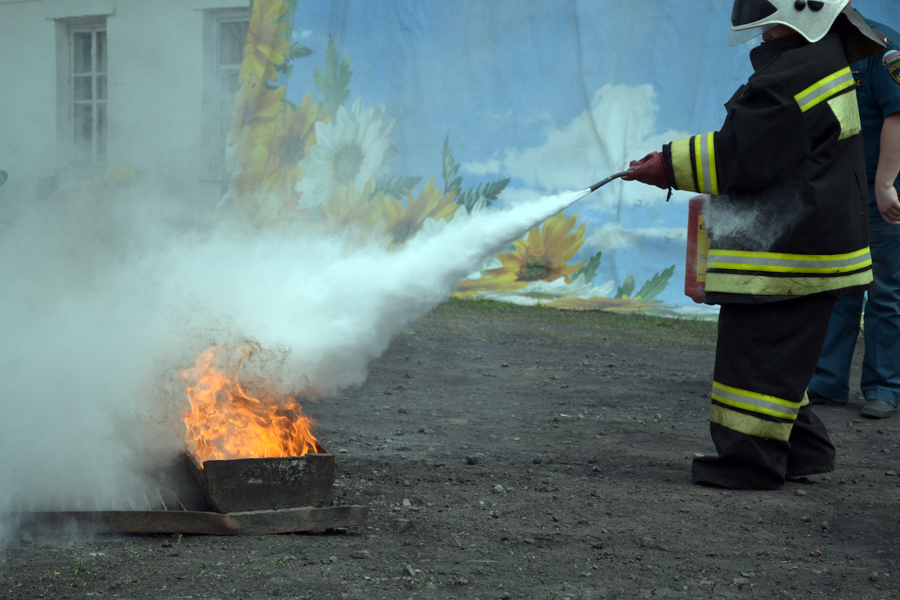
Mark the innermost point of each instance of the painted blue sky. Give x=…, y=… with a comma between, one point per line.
x=555, y=94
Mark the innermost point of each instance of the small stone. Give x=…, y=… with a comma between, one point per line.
x=873, y=576
x=537, y=460
x=498, y=489
x=360, y=554
x=406, y=503
x=741, y=581
x=402, y=411
x=342, y=451
x=409, y=571
x=403, y=525
x=471, y=460
x=504, y=364
x=891, y=473
x=800, y=492
x=805, y=519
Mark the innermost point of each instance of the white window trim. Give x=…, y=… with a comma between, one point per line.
x=64, y=81
x=210, y=110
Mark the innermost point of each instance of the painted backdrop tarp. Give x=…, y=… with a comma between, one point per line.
x=391, y=117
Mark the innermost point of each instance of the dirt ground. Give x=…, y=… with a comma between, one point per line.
x=527, y=453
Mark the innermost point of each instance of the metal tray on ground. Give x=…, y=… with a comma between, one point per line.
x=251, y=484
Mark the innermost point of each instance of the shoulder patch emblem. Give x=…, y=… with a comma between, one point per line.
x=890, y=57
x=894, y=70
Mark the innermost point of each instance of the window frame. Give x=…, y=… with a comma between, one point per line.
x=213, y=147
x=68, y=150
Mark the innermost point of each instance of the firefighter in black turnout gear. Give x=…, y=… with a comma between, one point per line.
x=788, y=220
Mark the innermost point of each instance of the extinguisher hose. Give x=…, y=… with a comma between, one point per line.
x=600, y=184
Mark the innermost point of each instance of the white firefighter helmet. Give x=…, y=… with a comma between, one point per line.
x=810, y=18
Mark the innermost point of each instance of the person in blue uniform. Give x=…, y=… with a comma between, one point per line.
x=878, y=93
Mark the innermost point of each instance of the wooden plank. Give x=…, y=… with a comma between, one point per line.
x=129, y=521
x=257, y=522
x=293, y=520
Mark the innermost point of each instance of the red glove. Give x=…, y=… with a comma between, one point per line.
x=651, y=170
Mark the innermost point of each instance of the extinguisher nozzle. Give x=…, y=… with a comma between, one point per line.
x=600, y=184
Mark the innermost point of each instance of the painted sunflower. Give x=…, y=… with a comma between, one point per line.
x=349, y=151
x=541, y=256
x=403, y=223
x=271, y=164
x=253, y=106
x=265, y=46
x=345, y=208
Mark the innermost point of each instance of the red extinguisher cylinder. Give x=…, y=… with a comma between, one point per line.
x=697, y=250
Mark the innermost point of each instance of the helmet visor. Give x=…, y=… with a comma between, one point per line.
x=742, y=36
x=751, y=11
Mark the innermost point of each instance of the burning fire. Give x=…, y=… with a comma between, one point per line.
x=225, y=422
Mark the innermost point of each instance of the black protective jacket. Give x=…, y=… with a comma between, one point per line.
x=788, y=213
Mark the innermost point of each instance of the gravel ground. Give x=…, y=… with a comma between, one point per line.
x=527, y=453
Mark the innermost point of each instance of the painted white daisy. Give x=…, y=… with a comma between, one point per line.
x=544, y=291
x=350, y=150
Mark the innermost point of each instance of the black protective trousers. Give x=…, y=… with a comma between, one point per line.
x=771, y=349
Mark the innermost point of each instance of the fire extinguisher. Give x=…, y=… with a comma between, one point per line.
x=697, y=251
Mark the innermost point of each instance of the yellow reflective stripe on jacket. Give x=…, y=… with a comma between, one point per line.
x=846, y=109
x=789, y=263
x=682, y=166
x=824, y=89
x=754, y=402
x=705, y=160
x=694, y=164
x=749, y=424
x=766, y=285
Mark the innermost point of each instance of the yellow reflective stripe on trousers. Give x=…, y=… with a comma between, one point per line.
x=824, y=89
x=681, y=164
x=738, y=260
x=753, y=402
x=749, y=424
x=764, y=285
x=705, y=160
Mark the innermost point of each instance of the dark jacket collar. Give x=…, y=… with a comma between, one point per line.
x=766, y=52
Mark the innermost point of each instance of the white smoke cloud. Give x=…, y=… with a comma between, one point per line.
x=611, y=236
x=106, y=302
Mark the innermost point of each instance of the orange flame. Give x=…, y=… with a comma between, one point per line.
x=226, y=423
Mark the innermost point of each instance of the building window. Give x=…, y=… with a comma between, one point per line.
x=88, y=93
x=81, y=67
x=226, y=35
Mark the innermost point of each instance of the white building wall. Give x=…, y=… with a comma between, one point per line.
x=155, y=99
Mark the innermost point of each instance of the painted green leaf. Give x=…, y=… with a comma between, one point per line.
x=453, y=183
x=298, y=51
x=589, y=270
x=449, y=169
x=627, y=288
x=656, y=284
x=334, y=81
x=395, y=185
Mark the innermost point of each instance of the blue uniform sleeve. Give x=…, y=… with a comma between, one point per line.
x=884, y=80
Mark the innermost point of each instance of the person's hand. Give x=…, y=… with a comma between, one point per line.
x=651, y=170
x=888, y=204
